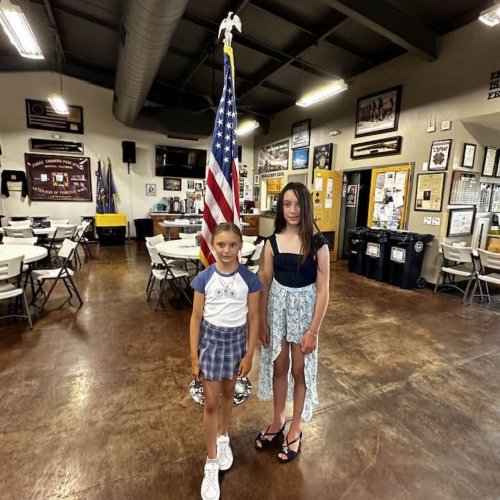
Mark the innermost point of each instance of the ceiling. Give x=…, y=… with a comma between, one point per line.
x=287, y=47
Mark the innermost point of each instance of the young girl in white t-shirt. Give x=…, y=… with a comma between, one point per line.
x=226, y=298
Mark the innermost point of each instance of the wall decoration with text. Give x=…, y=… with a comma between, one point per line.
x=40, y=115
x=440, y=154
x=58, y=178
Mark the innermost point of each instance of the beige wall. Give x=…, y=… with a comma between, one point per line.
x=103, y=135
x=455, y=87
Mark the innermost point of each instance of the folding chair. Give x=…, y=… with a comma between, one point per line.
x=154, y=240
x=458, y=262
x=187, y=236
x=253, y=260
x=79, y=237
x=18, y=232
x=490, y=262
x=7, y=240
x=164, y=272
x=249, y=239
x=61, y=234
x=12, y=269
x=20, y=224
x=62, y=273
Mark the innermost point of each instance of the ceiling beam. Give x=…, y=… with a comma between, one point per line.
x=298, y=23
x=391, y=23
x=324, y=29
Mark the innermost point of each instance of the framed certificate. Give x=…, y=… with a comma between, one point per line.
x=468, y=155
x=490, y=161
x=429, y=193
x=440, y=154
x=461, y=221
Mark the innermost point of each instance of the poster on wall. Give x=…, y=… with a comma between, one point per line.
x=273, y=157
x=58, y=178
x=40, y=115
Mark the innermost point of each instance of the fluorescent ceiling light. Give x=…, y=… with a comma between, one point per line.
x=18, y=30
x=59, y=105
x=491, y=16
x=324, y=92
x=248, y=126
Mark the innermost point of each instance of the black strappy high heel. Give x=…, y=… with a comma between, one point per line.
x=290, y=454
x=265, y=443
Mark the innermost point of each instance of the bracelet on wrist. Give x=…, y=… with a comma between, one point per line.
x=315, y=335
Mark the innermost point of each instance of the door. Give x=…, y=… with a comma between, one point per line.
x=326, y=197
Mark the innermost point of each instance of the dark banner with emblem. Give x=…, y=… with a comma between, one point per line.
x=58, y=178
x=40, y=115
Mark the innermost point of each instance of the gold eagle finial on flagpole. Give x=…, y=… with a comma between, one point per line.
x=231, y=21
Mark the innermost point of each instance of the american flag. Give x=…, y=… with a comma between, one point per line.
x=222, y=197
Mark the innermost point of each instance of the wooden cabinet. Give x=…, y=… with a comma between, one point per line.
x=253, y=228
x=157, y=229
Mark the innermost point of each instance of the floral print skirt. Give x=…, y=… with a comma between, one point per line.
x=289, y=315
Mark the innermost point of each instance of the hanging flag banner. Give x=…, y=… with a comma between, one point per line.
x=222, y=203
x=41, y=115
x=58, y=178
x=110, y=196
x=100, y=190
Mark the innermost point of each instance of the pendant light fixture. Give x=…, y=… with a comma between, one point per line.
x=56, y=100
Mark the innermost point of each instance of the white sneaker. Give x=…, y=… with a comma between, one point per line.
x=210, y=486
x=224, y=452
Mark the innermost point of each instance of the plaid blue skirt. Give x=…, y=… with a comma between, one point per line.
x=221, y=350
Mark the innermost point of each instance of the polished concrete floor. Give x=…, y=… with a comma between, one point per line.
x=95, y=403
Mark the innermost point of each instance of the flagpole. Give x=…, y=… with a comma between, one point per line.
x=222, y=198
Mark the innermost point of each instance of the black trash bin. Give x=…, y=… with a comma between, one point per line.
x=407, y=256
x=143, y=228
x=357, y=249
x=377, y=254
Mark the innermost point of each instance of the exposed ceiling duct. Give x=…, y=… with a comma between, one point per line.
x=146, y=30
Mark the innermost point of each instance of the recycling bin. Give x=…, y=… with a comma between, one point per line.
x=143, y=228
x=357, y=249
x=377, y=252
x=406, y=258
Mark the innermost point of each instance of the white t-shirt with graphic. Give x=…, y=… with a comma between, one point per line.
x=226, y=295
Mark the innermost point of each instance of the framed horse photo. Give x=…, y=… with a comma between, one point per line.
x=379, y=112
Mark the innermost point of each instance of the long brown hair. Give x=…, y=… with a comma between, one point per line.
x=306, y=225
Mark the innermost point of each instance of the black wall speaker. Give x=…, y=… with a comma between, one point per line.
x=128, y=152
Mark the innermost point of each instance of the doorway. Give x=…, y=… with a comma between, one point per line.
x=355, y=203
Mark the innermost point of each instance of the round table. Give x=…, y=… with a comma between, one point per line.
x=31, y=253
x=187, y=249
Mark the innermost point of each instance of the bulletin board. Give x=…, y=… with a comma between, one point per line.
x=389, y=197
x=58, y=178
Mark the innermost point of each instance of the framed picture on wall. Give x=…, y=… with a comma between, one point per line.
x=301, y=133
x=440, y=154
x=461, y=221
x=429, y=192
x=300, y=158
x=468, y=155
x=322, y=156
x=379, y=112
x=172, y=184
x=150, y=189
x=490, y=161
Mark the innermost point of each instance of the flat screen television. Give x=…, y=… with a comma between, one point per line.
x=174, y=161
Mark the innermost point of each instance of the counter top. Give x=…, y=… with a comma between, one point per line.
x=269, y=215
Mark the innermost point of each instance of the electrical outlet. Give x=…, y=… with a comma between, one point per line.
x=427, y=220
x=431, y=128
